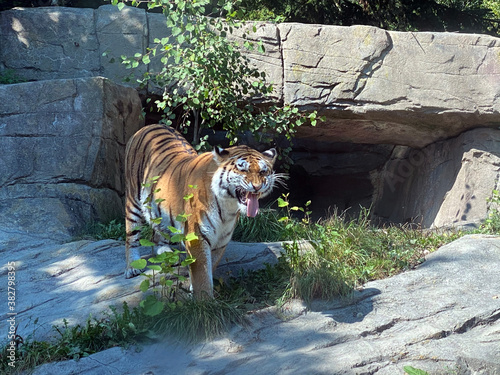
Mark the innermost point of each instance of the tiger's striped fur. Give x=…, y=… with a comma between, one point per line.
x=227, y=180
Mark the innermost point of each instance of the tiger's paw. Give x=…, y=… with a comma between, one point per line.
x=133, y=272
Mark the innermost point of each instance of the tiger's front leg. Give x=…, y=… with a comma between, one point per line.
x=201, y=271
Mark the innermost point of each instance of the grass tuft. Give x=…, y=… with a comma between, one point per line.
x=114, y=230
x=199, y=320
x=262, y=228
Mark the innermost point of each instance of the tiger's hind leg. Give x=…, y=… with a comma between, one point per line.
x=133, y=222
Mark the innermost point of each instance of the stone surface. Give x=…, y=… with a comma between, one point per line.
x=444, y=184
x=442, y=317
x=271, y=61
x=72, y=280
x=121, y=33
x=49, y=43
x=376, y=86
x=63, y=145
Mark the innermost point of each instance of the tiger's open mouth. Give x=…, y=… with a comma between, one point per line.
x=250, y=200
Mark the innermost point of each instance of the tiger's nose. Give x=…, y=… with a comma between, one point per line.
x=257, y=187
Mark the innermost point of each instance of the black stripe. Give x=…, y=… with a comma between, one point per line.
x=218, y=208
x=158, y=210
x=210, y=222
x=134, y=214
x=168, y=155
x=171, y=217
x=180, y=164
x=192, y=168
x=222, y=175
x=205, y=238
x=141, y=148
x=134, y=204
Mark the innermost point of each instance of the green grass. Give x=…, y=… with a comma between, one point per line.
x=343, y=254
x=265, y=227
x=114, y=329
x=194, y=321
x=9, y=76
x=331, y=257
x=112, y=230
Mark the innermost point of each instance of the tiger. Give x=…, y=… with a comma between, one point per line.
x=227, y=181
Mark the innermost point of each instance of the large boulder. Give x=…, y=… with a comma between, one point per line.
x=376, y=86
x=59, y=42
x=49, y=43
x=63, y=144
x=445, y=184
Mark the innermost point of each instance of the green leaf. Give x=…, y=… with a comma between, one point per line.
x=189, y=260
x=145, y=242
x=191, y=237
x=414, y=371
x=154, y=267
x=176, y=31
x=153, y=308
x=176, y=238
x=182, y=218
x=155, y=221
x=174, y=229
x=120, y=6
x=144, y=286
x=282, y=203
x=139, y=264
x=145, y=59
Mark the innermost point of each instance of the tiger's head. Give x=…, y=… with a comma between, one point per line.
x=245, y=175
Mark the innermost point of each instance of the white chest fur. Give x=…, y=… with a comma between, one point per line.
x=218, y=225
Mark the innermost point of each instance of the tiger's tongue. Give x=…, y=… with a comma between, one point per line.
x=252, y=204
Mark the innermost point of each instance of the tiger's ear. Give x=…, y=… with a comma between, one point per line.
x=271, y=154
x=220, y=154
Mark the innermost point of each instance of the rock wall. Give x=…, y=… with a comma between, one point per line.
x=374, y=86
x=442, y=185
x=386, y=87
x=379, y=91
x=63, y=144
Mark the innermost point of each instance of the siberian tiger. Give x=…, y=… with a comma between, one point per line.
x=228, y=182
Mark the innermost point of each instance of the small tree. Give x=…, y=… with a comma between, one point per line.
x=207, y=80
